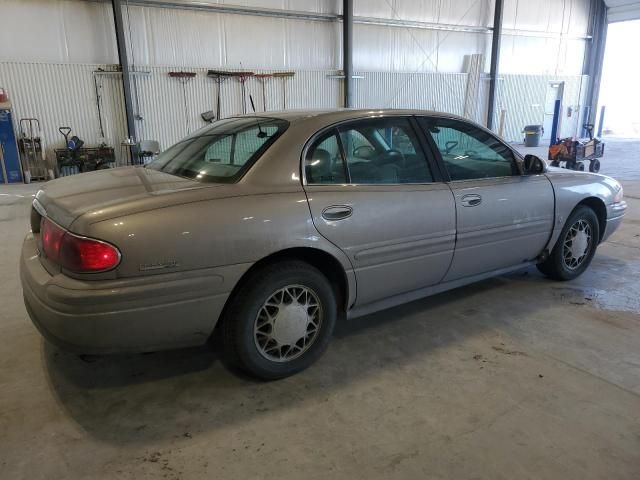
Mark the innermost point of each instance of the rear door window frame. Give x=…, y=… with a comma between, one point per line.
x=423, y=147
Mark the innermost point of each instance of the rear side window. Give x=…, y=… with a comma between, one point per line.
x=384, y=151
x=379, y=151
x=223, y=152
x=324, y=164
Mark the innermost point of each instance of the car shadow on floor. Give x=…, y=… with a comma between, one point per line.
x=133, y=399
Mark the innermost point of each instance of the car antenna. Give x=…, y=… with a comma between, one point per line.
x=261, y=133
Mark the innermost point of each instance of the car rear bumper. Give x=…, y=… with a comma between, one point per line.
x=615, y=214
x=146, y=313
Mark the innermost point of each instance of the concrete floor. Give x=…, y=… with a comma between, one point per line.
x=515, y=377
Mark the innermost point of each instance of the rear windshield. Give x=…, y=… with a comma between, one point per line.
x=222, y=152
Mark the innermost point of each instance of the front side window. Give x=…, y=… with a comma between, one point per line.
x=384, y=151
x=223, y=152
x=469, y=152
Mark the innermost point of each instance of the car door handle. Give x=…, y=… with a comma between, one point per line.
x=471, y=200
x=337, y=212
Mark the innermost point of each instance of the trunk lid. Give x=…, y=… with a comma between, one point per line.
x=112, y=192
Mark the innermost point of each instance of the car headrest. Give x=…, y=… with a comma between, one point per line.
x=392, y=156
x=318, y=167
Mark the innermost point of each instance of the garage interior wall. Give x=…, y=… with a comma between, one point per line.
x=431, y=54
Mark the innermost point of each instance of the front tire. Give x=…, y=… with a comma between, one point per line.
x=575, y=247
x=280, y=321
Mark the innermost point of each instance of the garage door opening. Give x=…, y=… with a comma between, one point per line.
x=618, y=91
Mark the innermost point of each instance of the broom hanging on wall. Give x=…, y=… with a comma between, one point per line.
x=184, y=78
x=219, y=76
x=242, y=78
x=263, y=77
x=284, y=76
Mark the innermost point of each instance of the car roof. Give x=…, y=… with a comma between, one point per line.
x=331, y=115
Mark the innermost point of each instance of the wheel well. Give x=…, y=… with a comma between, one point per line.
x=600, y=210
x=323, y=261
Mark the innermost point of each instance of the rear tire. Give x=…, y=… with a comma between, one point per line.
x=280, y=321
x=575, y=247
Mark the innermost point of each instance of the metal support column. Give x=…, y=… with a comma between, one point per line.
x=594, y=56
x=556, y=123
x=495, y=57
x=347, y=51
x=126, y=72
x=601, y=121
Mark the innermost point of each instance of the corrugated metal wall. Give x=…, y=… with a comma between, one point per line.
x=546, y=36
x=65, y=96
x=209, y=40
x=443, y=92
x=162, y=100
x=50, y=76
x=523, y=98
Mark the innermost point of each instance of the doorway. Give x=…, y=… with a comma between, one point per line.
x=555, y=91
x=619, y=84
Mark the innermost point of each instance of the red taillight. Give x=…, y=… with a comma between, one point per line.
x=78, y=254
x=52, y=236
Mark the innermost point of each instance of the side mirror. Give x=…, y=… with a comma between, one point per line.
x=534, y=165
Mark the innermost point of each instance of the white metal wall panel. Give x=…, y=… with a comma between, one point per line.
x=314, y=6
x=523, y=96
x=548, y=16
x=74, y=31
x=59, y=31
x=578, y=19
x=443, y=92
x=165, y=117
x=531, y=55
x=165, y=36
x=483, y=101
x=575, y=91
x=381, y=48
x=541, y=15
x=622, y=11
x=64, y=96
x=459, y=12
x=467, y=12
x=162, y=39
x=453, y=46
x=474, y=67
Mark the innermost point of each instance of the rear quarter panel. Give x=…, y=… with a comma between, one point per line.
x=237, y=230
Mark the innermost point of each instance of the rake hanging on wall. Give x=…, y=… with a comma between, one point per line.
x=284, y=76
x=242, y=78
x=263, y=77
x=219, y=76
x=184, y=78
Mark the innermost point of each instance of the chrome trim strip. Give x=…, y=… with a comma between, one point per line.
x=37, y=206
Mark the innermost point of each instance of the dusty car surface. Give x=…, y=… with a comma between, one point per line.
x=266, y=230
